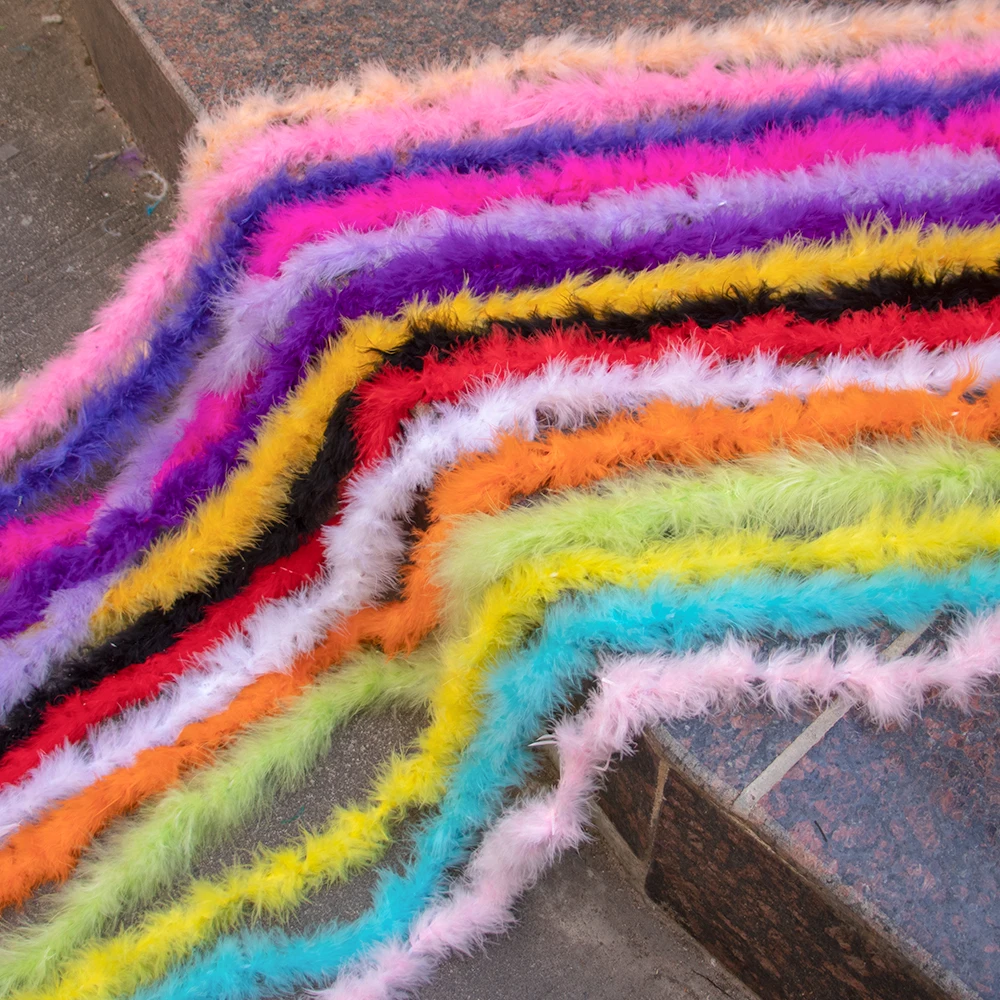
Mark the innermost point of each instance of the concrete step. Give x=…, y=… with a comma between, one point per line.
x=73, y=186
x=819, y=856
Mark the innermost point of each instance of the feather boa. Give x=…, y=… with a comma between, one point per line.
x=633, y=692
x=589, y=351
x=290, y=436
x=524, y=690
x=566, y=396
x=621, y=223
x=119, y=410
x=780, y=151
x=894, y=542
x=59, y=776
x=363, y=550
x=307, y=493
x=373, y=518
x=340, y=181
x=717, y=217
x=755, y=379
x=274, y=756
x=113, y=529
x=688, y=53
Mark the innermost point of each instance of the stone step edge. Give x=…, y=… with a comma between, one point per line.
x=734, y=885
x=139, y=80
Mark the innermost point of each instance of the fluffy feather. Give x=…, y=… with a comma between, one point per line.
x=524, y=688
x=484, y=302
x=632, y=692
x=369, y=534
x=786, y=37
x=121, y=529
x=271, y=757
x=606, y=167
x=286, y=623
x=289, y=438
x=39, y=403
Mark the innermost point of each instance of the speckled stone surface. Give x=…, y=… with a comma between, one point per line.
x=735, y=746
x=249, y=43
x=907, y=818
x=895, y=829
x=752, y=906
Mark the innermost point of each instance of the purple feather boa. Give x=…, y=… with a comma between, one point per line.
x=503, y=262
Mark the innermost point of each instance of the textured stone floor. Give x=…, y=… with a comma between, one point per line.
x=73, y=211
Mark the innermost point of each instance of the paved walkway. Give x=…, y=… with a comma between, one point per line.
x=72, y=210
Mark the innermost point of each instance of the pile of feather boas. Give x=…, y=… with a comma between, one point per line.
x=554, y=395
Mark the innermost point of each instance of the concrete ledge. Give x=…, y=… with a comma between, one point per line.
x=738, y=885
x=139, y=80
